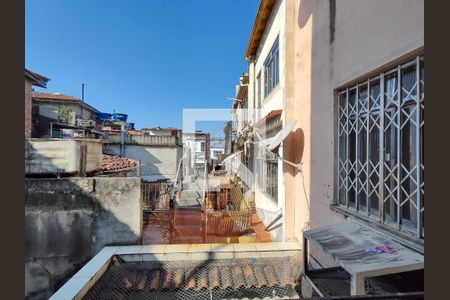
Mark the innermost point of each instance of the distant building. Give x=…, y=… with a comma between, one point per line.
x=215, y=152
x=159, y=156
x=198, y=146
x=47, y=109
x=31, y=79
x=170, y=131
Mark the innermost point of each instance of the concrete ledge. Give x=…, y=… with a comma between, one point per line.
x=178, y=252
x=82, y=281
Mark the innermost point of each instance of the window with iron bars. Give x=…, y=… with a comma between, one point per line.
x=267, y=173
x=380, y=147
x=271, y=187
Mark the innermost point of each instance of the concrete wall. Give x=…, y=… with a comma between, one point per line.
x=28, y=107
x=68, y=221
x=155, y=160
x=51, y=156
x=334, y=46
x=149, y=140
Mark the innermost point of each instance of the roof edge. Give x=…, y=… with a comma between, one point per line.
x=75, y=100
x=37, y=79
x=259, y=26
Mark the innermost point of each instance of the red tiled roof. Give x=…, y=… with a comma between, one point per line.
x=273, y=114
x=60, y=98
x=117, y=163
x=197, y=276
x=50, y=96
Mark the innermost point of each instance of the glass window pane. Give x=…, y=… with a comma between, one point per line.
x=362, y=163
x=351, y=182
x=409, y=83
x=408, y=168
x=342, y=148
x=390, y=166
x=374, y=162
x=362, y=98
x=391, y=90
x=374, y=101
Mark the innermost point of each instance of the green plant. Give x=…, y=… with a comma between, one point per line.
x=64, y=113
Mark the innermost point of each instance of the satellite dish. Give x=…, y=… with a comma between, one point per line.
x=273, y=142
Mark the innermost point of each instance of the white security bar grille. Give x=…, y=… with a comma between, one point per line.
x=380, y=147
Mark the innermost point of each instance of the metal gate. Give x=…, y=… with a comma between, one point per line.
x=155, y=195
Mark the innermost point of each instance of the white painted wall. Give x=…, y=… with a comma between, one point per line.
x=156, y=160
x=275, y=28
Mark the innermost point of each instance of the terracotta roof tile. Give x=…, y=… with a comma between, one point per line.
x=270, y=116
x=54, y=96
x=197, y=276
x=117, y=163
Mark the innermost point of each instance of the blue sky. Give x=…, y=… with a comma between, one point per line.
x=147, y=58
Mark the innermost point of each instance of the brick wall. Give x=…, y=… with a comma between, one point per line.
x=28, y=107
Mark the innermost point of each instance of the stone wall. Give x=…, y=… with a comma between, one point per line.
x=69, y=220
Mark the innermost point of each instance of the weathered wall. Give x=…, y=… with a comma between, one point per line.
x=147, y=140
x=51, y=156
x=28, y=107
x=155, y=160
x=69, y=220
x=50, y=110
x=336, y=42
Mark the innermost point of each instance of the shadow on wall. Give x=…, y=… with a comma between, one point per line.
x=69, y=220
x=154, y=160
x=319, y=18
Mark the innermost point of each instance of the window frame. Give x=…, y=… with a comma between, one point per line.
x=258, y=91
x=271, y=178
x=377, y=114
x=271, y=68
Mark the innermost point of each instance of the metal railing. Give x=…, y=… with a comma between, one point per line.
x=155, y=195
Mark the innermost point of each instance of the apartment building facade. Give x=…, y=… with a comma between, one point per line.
x=266, y=54
x=351, y=75
x=359, y=97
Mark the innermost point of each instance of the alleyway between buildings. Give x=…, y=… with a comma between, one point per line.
x=187, y=223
